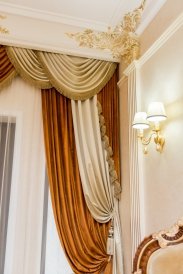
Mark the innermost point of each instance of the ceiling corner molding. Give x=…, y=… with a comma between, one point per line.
x=150, y=12
x=167, y=34
x=26, y=27
x=121, y=41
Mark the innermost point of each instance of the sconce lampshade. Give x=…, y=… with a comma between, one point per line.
x=156, y=112
x=140, y=121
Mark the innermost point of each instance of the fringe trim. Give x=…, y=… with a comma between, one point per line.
x=66, y=91
x=105, y=139
x=52, y=82
x=6, y=82
x=25, y=76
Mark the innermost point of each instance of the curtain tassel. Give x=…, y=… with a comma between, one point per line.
x=110, y=240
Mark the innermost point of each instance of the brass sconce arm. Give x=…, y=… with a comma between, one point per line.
x=142, y=121
x=159, y=140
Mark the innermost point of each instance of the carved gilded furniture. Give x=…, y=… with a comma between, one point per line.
x=161, y=253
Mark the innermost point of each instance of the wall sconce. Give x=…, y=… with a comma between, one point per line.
x=153, y=117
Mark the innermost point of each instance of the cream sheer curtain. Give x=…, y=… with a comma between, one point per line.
x=23, y=248
x=7, y=136
x=94, y=170
x=75, y=77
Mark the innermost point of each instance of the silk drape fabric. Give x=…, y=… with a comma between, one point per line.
x=84, y=239
x=76, y=78
x=97, y=176
x=27, y=64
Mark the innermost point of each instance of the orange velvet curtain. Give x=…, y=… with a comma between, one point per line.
x=7, y=70
x=83, y=239
x=109, y=99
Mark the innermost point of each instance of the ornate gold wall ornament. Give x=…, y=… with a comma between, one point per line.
x=3, y=30
x=122, y=41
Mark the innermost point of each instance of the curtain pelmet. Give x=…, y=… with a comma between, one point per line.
x=76, y=78
x=28, y=66
x=83, y=239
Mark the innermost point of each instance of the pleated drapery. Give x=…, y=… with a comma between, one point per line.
x=28, y=66
x=98, y=152
x=84, y=239
x=109, y=100
x=7, y=71
x=76, y=78
x=97, y=169
x=92, y=163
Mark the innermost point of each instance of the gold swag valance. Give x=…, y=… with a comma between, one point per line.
x=76, y=78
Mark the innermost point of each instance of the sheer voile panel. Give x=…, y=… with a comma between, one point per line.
x=7, y=136
x=83, y=239
x=24, y=233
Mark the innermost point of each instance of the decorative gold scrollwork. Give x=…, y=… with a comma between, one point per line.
x=122, y=41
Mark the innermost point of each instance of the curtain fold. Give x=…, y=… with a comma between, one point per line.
x=97, y=169
x=109, y=100
x=92, y=160
x=28, y=66
x=84, y=240
x=7, y=71
x=76, y=78
x=98, y=188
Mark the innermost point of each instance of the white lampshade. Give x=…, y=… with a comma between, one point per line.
x=140, y=121
x=156, y=112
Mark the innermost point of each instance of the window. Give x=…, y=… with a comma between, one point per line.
x=7, y=137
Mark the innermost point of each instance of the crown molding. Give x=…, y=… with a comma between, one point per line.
x=65, y=48
x=149, y=13
x=167, y=34
x=33, y=27
x=19, y=10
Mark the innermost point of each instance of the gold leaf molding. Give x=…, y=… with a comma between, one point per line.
x=3, y=30
x=122, y=41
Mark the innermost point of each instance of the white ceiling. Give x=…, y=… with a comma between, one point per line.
x=43, y=24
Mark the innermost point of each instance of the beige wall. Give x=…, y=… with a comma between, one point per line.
x=160, y=175
x=162, y=80
x=125, y=197
x=167, y=14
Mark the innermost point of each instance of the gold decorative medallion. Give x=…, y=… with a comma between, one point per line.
x=3, y=30
x=122, y=41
